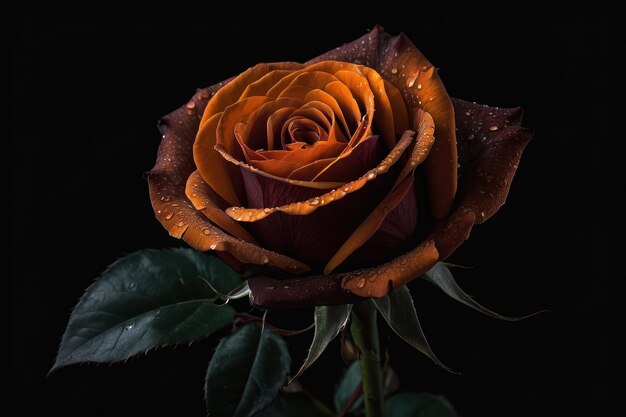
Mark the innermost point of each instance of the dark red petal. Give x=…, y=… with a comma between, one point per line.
x=312, y=238
x=491, y=143
x=269, y=293
x=393, y=236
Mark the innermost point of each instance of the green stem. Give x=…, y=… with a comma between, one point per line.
x=365, y=334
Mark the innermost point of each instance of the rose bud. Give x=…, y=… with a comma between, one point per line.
x=355, y=170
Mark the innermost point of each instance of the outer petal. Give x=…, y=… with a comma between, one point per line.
x=402, y=64
x=167, y=182
x=490, y=146
x=491, y=143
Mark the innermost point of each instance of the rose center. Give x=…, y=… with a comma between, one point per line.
x=299, y=132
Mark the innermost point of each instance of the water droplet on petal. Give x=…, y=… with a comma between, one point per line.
x=419, y=86
x=180, y=224
x=394, y=70
x=129, y=326
x=213, y=246
x=360, y=282
x=207, y=231
x=493, y=128
x=169, y=216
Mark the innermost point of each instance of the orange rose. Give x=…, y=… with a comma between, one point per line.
x=344, y=168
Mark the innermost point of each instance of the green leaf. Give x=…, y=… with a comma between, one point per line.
x=398, y=310
x=412, y=404
x=351, y=382
x=441, y=276
x=147, y=299
x=297, y=404
x=329, y=320
x=246, y=372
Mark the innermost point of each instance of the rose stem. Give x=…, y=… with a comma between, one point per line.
x=365, y=334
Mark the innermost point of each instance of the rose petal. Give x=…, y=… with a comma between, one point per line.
x=490, y=147
x=375, y=219
x=167, y=182
x=206, y=201
x=269, y=293
x=378, y=281
x=306, y=207
x=396, y=235
x=370, y=225
x=348, y=166
x=212, y=166
x=319, y=185
x=402, y=64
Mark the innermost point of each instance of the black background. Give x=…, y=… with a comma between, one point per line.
x=86, y=84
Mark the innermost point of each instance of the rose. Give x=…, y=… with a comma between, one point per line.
x=344, y=167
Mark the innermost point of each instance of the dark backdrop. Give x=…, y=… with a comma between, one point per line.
x=86, y=85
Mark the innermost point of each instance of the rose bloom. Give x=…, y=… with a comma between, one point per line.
x=355, y=170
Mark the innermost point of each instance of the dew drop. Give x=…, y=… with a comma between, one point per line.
x=169, y=216
x=266, y=210
x=180, y=224
x=471, y=137
x=493, y=128
x=468, y=113
x=482, y=214
x=371, y=175
x=314, y=201
x=206, y=231
x=394, y=70
x=191, y=105
x=213, y=246
x=360, y=282
x=419, y=86
x=129, y=326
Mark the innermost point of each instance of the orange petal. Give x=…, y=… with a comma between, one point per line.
x=423, y=144
x=320, y=185
x=346, y=101
x=307, y=207
x=205, y=200
x=378, y=281
x=263, y=84
x=211, y=164
x=232, y=91
x=233, y=114
x=383, y=116
x=398, y=108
